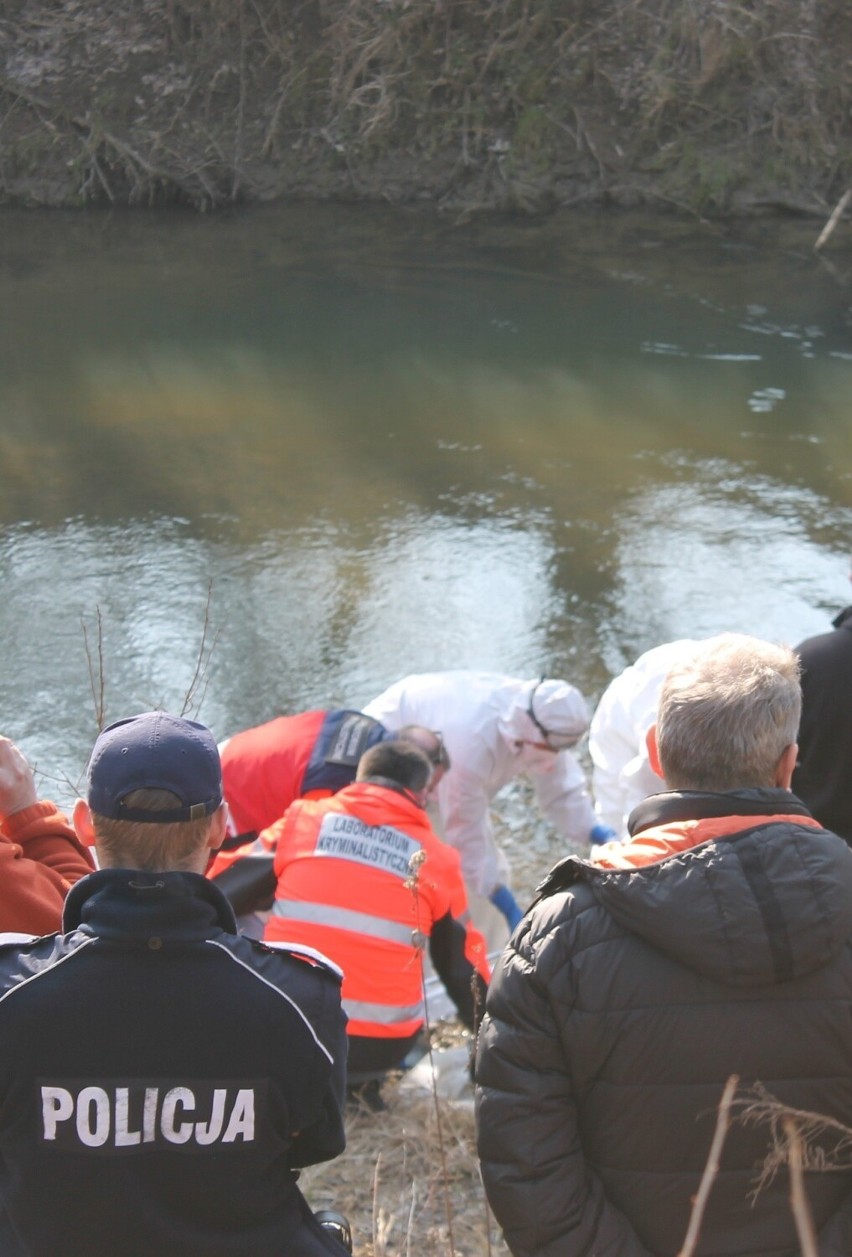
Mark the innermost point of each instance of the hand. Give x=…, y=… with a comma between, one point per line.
x=17, y=787
x=504, y=901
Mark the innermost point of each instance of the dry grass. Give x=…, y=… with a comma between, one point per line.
x=712, y=104
x=407, y=1185
x=824, y=1145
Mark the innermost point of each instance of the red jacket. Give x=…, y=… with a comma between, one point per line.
x=363, y=878
x=263, y=767
x=40, y=859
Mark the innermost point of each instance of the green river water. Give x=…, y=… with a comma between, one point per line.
x=354, y=444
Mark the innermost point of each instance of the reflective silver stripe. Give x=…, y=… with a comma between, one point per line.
x=384, y=1014
x=51, y=966
x=347, y=919
x=302, y=949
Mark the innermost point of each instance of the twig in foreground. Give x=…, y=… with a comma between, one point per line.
x=414, y=865
x=711, y=1169
x=202, y=662
x=836, y=215
x=96, y=683
x=798, y=1199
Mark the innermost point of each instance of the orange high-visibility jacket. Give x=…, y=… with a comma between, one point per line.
x=363, y=877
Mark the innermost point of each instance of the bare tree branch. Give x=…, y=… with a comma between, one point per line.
x=200, y=678
x=798, y=1199
x=833, y=1152
x=97, y=682
x=711, y=1169
x=413, y=883
x=836, y=215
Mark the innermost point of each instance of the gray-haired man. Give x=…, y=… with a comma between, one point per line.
x=717, y=941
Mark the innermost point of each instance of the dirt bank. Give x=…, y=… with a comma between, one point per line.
x=705, y=106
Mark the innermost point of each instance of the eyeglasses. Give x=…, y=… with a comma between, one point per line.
x=554, y=740
x=439, y=756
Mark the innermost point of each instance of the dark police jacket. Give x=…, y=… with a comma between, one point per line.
x=161, y=1079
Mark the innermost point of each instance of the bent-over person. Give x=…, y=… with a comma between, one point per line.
x=363, y=877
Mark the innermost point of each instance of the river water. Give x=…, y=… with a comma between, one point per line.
x=313, y=449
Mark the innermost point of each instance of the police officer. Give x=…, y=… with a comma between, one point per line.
x=162, y=1078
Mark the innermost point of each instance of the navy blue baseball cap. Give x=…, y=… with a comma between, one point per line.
x=160, y=752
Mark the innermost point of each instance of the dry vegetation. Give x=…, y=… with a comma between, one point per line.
x=409, y=1179
x=707, y=105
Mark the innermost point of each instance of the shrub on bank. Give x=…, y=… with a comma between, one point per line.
x=707, y=106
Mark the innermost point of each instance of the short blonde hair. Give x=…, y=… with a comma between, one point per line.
x=155, y=848
x=727, y=713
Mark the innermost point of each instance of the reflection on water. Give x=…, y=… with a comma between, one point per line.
x=716, y=552
x=392, y=446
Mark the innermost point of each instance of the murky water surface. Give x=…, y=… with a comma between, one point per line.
x=339, y=445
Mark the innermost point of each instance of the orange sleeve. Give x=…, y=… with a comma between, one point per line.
x=40, y=859
x=448, y=861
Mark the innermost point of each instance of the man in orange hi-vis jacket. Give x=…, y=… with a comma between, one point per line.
x=363, y=878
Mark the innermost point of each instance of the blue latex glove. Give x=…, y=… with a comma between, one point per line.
x=601, y=833
x=504, y=901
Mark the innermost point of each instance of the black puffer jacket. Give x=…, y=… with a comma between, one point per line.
x=621, y=1006
x=821, y=779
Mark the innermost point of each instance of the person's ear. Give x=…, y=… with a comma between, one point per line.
x=83, y=826
x=218, y=828
x=654, y=751
x=785, y=766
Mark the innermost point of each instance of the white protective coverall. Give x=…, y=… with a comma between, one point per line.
x=621, y=774
x=488, y=733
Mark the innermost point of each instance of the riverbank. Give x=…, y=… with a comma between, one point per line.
x=465, y=106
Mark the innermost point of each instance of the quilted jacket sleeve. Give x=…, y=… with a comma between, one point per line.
x=542, y=1191
x=835, y=1238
